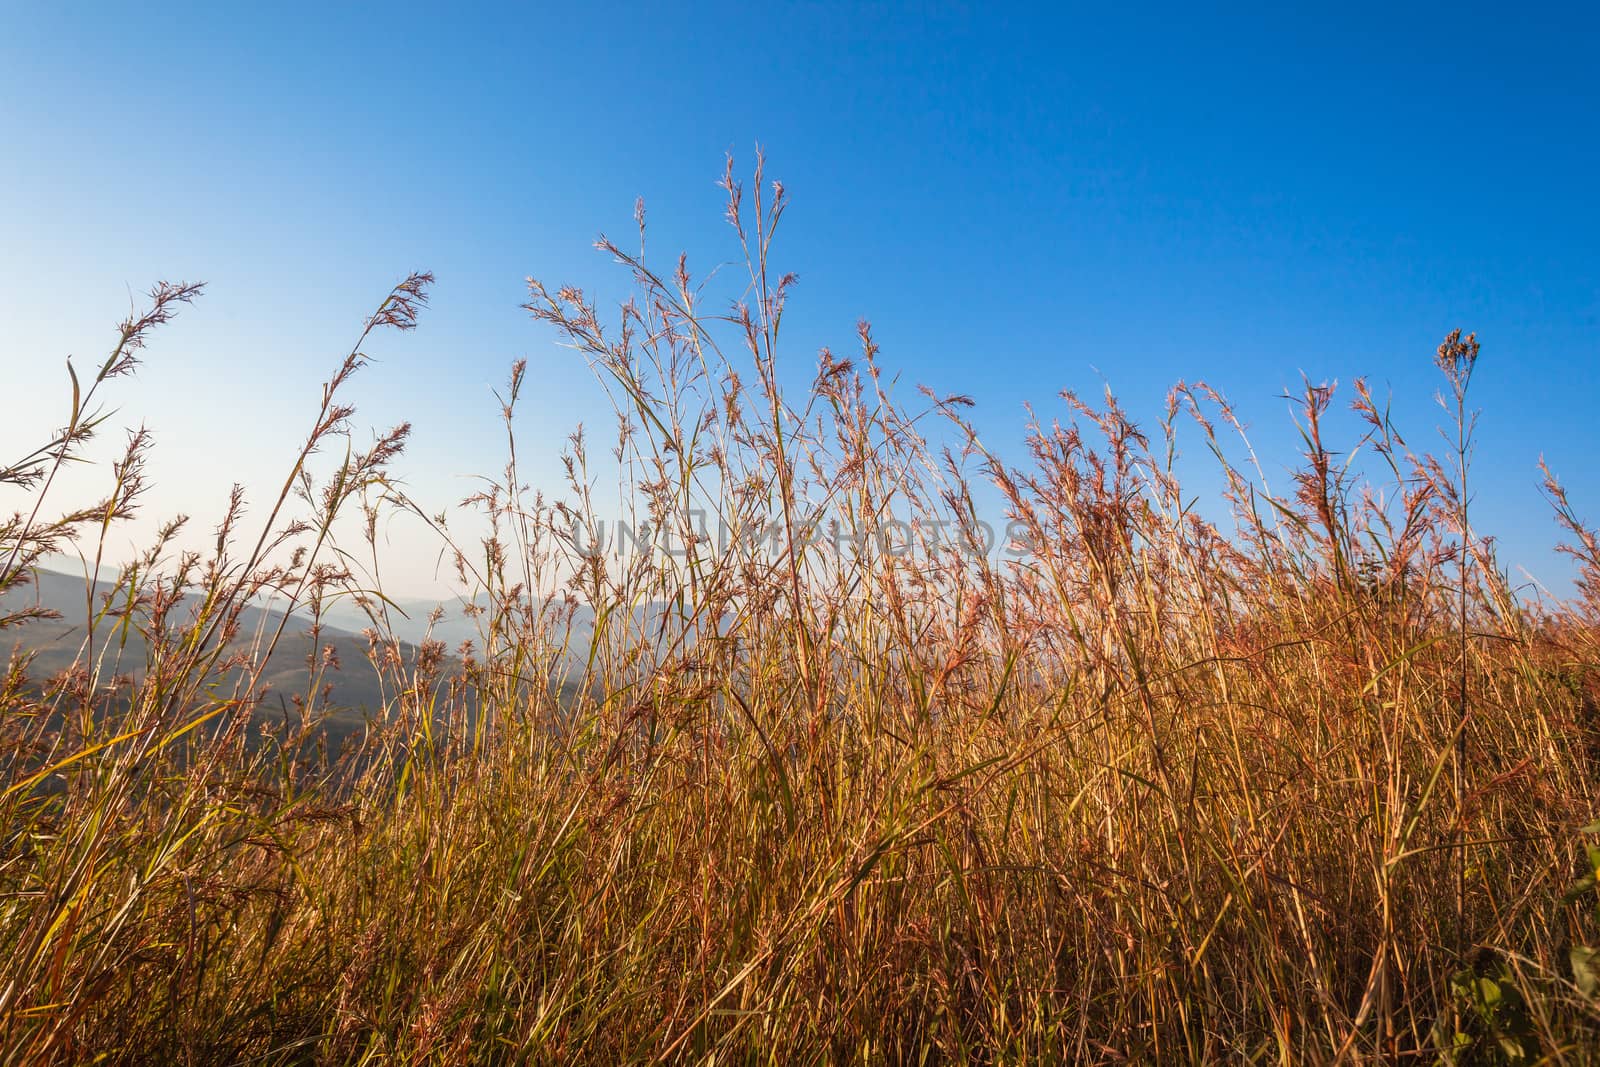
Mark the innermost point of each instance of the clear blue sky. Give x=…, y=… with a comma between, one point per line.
x=1019, y=201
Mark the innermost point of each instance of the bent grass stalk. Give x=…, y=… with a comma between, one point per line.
x=1166, y=788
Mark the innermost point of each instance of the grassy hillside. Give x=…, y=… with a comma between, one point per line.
x=1309, y=785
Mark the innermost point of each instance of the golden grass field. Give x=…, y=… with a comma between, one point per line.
x=1311, y=784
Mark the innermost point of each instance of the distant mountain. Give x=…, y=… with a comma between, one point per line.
x=459, y=620
x=409, y=619
x=57, y=644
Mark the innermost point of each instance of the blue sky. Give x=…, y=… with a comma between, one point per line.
x=1018, y=200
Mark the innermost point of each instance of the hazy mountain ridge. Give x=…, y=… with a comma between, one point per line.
x=55, y=644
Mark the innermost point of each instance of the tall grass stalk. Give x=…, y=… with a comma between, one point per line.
x=1163, y=788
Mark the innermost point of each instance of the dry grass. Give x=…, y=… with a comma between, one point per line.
x=1310, y=788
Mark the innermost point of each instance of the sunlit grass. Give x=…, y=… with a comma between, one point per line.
x=1309, y=788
